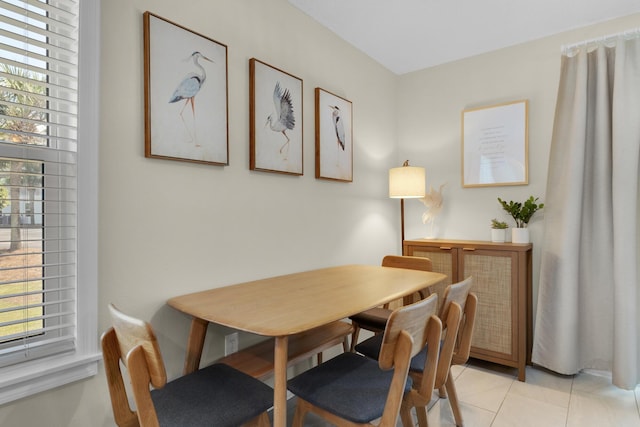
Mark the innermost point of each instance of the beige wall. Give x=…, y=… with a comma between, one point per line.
x=430, y=103
x=169, y=227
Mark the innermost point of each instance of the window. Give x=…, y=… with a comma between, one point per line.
x=48, y=200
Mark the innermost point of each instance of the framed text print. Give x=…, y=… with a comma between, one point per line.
x=495, y=145
x=185, y=85
x=334, y=137
x=275, y=118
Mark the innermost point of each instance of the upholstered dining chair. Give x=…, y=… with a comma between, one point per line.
x=217, y=395
x=375, y=319
x=458, y=317
x=353, y=390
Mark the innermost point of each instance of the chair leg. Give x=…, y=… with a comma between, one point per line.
x=453, y=400
x=354, y=337
x=405, y=414
x=442, y=392
x=345, y=344
x=319, y=358
x=299, y=414
x=264, y=420
x=261, y=420
x=421, y=412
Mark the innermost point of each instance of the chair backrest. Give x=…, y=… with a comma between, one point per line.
x=126, y=338
x=451, y=314
x=411, y=263
x=465, y=332
x=131, y=333
x=408, y=330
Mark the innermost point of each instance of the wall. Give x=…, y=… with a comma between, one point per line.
x=171, y=227
x=430, y=103
x=168, y=228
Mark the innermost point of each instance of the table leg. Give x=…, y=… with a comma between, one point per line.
x=195, y=343
x=280, y=382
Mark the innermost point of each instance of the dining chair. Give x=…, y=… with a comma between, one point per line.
x=375, y=319
x=353, y=390
x=217, y=395
x=461, y=353
x=458, y=317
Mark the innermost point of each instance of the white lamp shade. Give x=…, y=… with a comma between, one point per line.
x=407, y=182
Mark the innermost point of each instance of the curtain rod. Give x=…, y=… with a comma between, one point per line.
x=627, y=34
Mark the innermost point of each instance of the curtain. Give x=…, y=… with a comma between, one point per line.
x=588, y=314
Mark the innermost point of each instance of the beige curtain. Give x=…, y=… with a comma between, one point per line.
x=588, y=313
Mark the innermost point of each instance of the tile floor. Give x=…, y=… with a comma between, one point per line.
x=491, y=396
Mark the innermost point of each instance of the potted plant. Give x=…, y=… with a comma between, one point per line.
x=498, y=230
x=521, y=213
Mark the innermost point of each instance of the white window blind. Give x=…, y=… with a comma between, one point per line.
x=38, y=186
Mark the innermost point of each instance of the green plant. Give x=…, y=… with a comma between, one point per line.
x=521, y=212
x=498, y=225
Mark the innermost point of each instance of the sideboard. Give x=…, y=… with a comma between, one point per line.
x=502, y=275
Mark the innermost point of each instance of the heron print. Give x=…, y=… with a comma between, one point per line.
x=187, y=90
x=186, y=94
x=283, y=119
x=334, y=139
x=338, y=125
x=276, y=116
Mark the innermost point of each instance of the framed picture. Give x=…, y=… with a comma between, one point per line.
x=185, y=86
x=495, y=145
x=275, y=106
x=334, y=137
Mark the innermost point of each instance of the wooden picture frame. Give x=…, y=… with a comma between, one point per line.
x=495, y=147
x=186, y=94
x=334, y=136
x=276, y=127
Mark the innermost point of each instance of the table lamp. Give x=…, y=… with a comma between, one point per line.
x=406, y=182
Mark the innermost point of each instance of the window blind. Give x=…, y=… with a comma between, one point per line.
x=38, y=188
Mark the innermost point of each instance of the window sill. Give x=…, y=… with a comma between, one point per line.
x=26, y=379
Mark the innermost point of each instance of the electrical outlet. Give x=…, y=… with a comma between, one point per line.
x=230, y=343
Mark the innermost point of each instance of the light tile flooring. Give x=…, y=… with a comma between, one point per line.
x=491, y=396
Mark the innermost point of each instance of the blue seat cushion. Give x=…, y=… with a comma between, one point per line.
x=371, y=348
x=373, y=319
x=217, y=395
x=349, y=385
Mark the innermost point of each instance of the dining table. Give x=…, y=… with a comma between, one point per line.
x=284, y=305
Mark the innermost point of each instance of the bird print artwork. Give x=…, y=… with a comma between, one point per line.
x=334, y=136
x=189, y=88
x=338, y=125
x=283, y=119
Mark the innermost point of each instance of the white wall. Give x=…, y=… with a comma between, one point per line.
x=168, y=227
x=430, y=103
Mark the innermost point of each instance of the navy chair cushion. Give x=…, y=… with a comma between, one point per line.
x=217, y=395
x=371, y=348
x=374, y=318
x=349, y=385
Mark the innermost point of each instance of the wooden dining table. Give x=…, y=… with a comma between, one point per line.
x=285, y=305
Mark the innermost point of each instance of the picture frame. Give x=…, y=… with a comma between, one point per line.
x=495, y=145
x=186, y=94
x=334, y=136
x=276, y=125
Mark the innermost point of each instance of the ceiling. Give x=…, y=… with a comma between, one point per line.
x=409, y=35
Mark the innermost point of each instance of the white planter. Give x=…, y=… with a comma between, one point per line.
x=519, y=235
x=498, y=234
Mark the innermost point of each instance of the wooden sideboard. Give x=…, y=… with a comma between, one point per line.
x=502, y=281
